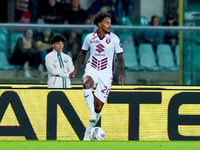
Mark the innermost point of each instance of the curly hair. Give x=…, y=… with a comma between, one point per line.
x=100, y=16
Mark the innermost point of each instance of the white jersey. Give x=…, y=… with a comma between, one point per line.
x=59, y=65
x=102, y=51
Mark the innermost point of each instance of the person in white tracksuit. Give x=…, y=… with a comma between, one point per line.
x=58, y=64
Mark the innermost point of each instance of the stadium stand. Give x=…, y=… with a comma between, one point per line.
x=130, y=58
x=125, y=21
x=13, y=40
x=167, y=62
x=5, y=65
x=148, y=61
x=145, y=48
x=177, y=55
x=164, y=49
x=140, y=21
x=3, y=42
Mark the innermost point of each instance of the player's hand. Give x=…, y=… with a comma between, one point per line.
x=121, y=79
x=73, y=73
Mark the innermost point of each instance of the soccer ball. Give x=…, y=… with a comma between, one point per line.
x=97, y=134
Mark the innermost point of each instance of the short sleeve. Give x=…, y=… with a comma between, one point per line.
x=118, y=46
x=86, y=45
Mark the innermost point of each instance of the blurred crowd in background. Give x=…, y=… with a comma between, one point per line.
x=31, y=47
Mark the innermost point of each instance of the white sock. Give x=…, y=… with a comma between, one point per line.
x=92, y=124
x=98, y=115
x=89, y=99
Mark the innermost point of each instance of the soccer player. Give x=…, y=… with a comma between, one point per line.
x=103, y=46
x=58, y=64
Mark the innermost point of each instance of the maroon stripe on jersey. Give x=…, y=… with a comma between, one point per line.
x=93, y=67
x=99, y=64
x=103, y=65
x=113, y=64
x=119, y=53
x=94, y=64
x=94, y=58
x=103, y=68
x=94, y=61
x=104, y=59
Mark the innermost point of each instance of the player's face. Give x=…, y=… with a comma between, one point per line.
x=58, y=46
x=105, y=24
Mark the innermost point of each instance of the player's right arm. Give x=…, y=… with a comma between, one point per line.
x=79, y=62
x=81, y=56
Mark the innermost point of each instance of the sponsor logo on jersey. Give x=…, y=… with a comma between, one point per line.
x=95, y=41
x=93, y=38
x=100, y=48
x=100, y=55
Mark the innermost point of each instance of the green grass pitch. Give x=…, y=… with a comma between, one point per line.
x=99, y=145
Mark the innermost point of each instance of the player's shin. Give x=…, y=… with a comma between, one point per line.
x=89, y=99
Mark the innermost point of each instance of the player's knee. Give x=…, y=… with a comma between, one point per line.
x=87, y=83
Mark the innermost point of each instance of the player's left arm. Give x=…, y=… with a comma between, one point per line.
x=121, y=68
